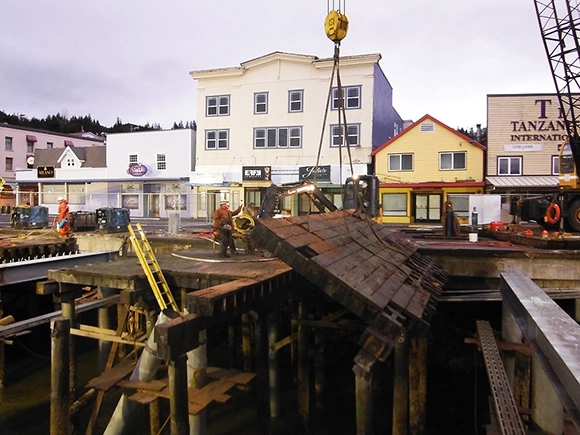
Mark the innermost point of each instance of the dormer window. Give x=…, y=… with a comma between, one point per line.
x=70, y=162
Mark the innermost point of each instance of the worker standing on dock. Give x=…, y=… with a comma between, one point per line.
x=223, y=222
x=63, y=225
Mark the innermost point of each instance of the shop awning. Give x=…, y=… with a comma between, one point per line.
x=524, y=181
x=31, y=138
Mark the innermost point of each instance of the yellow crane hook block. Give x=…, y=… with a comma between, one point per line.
x=336, y=26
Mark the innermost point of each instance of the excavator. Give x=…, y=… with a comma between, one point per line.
x=559, y=22
x=360, y=193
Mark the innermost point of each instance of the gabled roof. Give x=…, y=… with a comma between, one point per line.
x=92, y=157
x=419, y=122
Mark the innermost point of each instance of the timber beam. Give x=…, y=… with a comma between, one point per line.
x=178, y=336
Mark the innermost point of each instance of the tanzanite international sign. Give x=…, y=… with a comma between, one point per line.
x=322, y=173
x=253, y=173
x=137, y=169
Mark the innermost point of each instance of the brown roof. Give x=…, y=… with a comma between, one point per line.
x=94, y=157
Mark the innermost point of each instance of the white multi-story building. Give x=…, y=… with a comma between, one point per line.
x=266, y=121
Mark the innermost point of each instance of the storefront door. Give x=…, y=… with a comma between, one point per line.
x=427, y=207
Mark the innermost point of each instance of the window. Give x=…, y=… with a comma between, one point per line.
x=351, y=96
x=555, y=165
x=8, y=164
x=8, y=143
x=29, y=146
x=451, y=161
x=217, y=139
x=70, y=162
x=278, y=137
x=161, y=162
x=509, y=166
x=400, y=162
x=427, y=127
x=217, y=105
x=337, y=138
x=49, y=145
x=133, y=158
x=295, y=101
x=260, y=102
x=394, y=204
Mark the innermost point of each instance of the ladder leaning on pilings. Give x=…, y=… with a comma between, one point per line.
x=152, y=269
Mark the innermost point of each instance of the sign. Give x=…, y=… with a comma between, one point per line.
x=307, y=173
x=45, y=172
x=137, y=169
x=523, y=147
x=261, y=173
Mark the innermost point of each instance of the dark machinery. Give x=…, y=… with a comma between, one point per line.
x=112, y=219
x=360, y=193
x=559, y=26
x=26, y=216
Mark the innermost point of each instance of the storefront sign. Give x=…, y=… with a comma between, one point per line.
x=261, y=173
x=45, y=172
x=308, y=172
x=137, y=169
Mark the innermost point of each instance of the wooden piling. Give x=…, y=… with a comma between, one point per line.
x=303, y=369
x=418, y=386
x=319, y=343
x=68, y=312
x=178, y=403
x=363, y=376
x=401, y=387
x=197, y=378
x=2, y=364
x=273, y=374
x=246, y=342
x=60, y=377
x=154, y=417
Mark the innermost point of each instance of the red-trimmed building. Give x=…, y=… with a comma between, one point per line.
x=424, y=166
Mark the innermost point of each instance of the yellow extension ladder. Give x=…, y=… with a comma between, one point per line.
x=151, y=268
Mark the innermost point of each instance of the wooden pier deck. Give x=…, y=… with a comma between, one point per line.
x=371, y=270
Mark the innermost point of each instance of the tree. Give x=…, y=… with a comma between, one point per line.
x=472, y=133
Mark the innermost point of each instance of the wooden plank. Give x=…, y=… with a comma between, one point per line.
x=143, y=397
x=418, y=303
x=336, y=254
x=154, y=385
x=235, y=376
x=350, y=263
x=109, y=378
x=303, y=239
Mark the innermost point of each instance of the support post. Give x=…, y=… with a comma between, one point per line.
x=401, y=387
x=2, y=364
x=68, y=312
x=104, y=321
x=418, y=386
x=547, y=409
x=246, y=342
x=59, y=377
x=363, y=377
x=303, y=369
x=154, y=417
x=197, y=378
x=273, y=375
x=178, y=402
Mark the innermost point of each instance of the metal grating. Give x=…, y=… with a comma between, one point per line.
x=505, y=405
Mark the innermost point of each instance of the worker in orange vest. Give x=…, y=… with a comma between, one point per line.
x=62, y=223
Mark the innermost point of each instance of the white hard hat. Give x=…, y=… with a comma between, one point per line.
x=60, y=198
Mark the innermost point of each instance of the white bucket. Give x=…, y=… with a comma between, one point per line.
x=473, y=237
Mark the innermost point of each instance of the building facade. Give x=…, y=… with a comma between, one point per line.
x=145, y=172
x=524, y=135
x=426, y=165
x=18, y=151
x=266, y=122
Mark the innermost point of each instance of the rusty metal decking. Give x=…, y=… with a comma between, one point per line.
x=368, y=268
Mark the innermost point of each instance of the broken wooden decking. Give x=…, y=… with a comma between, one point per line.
x=368, y=268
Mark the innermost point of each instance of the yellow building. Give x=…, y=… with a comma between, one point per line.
x=424, y=166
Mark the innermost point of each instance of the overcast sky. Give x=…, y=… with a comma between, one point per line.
x=131, y=59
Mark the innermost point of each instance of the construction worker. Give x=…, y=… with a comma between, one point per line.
x=62, y=223
x=223, y=222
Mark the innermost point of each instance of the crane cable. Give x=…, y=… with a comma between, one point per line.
x=336, y=27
